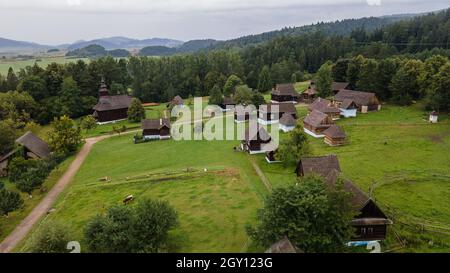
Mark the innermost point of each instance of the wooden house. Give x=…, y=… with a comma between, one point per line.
x=33, y=148
x=227, y=104
x=370, y=223
x=156, y=128
x=365, y=101
x=338, y=86
x=176, y=101
x=326, y=107
x=256, y=141
x=317, y=122
x=111, y=108
x=348, y=108
x=285, y=93
x=434, y=116
x=287, y=123
x=243, y=113
x=271, y=113
x=309, y=95
x=335, y=136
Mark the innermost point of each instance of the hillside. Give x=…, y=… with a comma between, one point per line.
x=96, y=51
x=125, y=43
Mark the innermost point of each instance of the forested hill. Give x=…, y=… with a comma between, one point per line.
x=342, y=28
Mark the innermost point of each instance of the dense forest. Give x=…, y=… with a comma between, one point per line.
x=400, y=62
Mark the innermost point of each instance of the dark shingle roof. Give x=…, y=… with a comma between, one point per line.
x=321, y=165
x=259, y=134
x=285, y=89
x=284, y=107
x=360, y=98
x=177, y=100
x=334, y=132
x=348, y=104
x=339, y=85
x=149, y=124
x=107, y=103
x=228, y=101
x=323, y=106
x=315, y=118
x=358, y=198
x=288, y=120
x=283, y=246
x=33, y=143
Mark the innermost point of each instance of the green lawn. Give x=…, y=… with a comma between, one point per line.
x=42, y=62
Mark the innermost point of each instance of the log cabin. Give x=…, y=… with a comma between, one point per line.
x=256, y=141
x=335, y=136
x=111, y=108
x=338, y=86
x=287, y=123
x=348, y=108
x=271, y=113
x=156, y=128
x=365, y=101
x=315, y=123
x=370, y=222
x=285, y=93
x=326, y=107
x=309, y=95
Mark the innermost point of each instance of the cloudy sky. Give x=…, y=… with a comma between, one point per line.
x=64, y=21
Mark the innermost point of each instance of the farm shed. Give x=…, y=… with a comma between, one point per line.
x=271, y=113
x=335, y=136
x=326, y=107
x=256, y=141
x=348, y=108
x=365, y=101
x=287, y=123
x=284, y=93
x=317, y=122
x=156, y=128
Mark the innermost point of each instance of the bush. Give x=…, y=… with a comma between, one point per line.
x=52, y=237
x=9, y=201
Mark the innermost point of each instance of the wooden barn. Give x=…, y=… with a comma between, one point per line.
x=227, y=104
x=317, y=122
x=309, y=95
x=285, y=93
x=156, y=128
x=33, y=148
x=370, y=223
x=287, y=123
x=338, y=86
x=365, y=101
x=256, y=141
x=176, y=101
x=326, y=107
x=243, y=113
x=335, y=136
x=271, y=113
x=348, y=108
x=111, y=108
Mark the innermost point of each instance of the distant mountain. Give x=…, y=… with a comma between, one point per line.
x=7, y=45
x=97, y=51
x=125, y=43
x=196, y=45
x=188, y=47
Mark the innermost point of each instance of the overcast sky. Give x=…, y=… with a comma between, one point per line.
x=65, y=21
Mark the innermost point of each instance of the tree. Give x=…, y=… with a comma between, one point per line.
x=88, y=123
x=368, y=76
x=143, y=228
x=51, y=237
x=9, y=201
x=70, y=98
x=313, y=217
x=35, y=86
x=11, y=80
x=324, y=80
x=439, y=95
x=136, y=112
x=230, y=85
x=244, y=95
x=294, y=146
x=215, y=95
x=405, y=84
x=340, y=70
x=8, y=136
x=264, y=80
x=258, y=99
x=119, y=129
x=64, y=138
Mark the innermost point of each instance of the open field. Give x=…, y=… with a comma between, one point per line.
x=42, y=62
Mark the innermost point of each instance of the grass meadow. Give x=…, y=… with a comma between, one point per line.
x=42, y=62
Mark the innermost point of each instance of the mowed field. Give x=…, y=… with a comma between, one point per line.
x=42, y=62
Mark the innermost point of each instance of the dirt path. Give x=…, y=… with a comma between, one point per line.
x=260, y=173
x=10, y=242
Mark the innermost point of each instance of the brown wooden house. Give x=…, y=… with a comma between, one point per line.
x=335, y=136
x=227, y=103
x=309, y=95
x=370, y=223
x=317, y=122
x=326, y=107
x=177, y=100
x=242, y=113
x=156, y=128
x=338, y=86
x=272, y=112
x=285, y=93
x=255, y=140
x=365, y=101
x=111, y=108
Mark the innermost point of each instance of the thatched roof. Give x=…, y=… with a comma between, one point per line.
x=260, y=134
x=339, y=85
x=286, y=89
x=311, y=91
x=359, y=97
x=334, y=132
x=177, y=100
x=358, y=198
x=284, y=107
x=288, y=120
x=283, y=246
x=107, y=103
x=324, y=106
x=320, y=165
x=151, y=124
x=34, y=144
x=315, y=118
x=348, y=104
